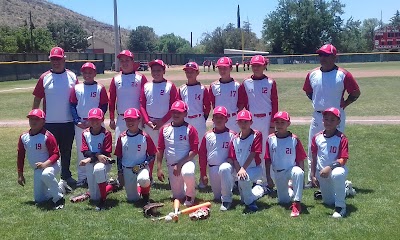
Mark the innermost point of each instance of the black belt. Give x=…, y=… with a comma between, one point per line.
x=213, y=165
x=280, y=170
x=319, y=111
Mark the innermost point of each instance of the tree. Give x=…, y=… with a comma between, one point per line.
x=395, y=20
x=142, y=39
x=351, y=37
x=69, y=35
x=18, y=40
x=8, y=42
x=368, y=32
x=170, y=43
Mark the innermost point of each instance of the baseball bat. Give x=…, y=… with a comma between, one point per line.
x=177, y=203
x=194, y=208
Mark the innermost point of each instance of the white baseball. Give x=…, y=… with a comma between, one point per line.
x=168, y=218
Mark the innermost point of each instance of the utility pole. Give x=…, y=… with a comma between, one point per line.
x=31, y=27
x=116, y=37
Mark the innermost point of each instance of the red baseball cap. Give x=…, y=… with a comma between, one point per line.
x=332, y=110
x=125, y=53
x=88, y=65
x=36, y=113
x=191, y=65
x=244, y=115
x=57, y=52
x=132, y=113
x=221, y=110
x=282, y=115
x=179, y=106
x=157, y=62
x=327, y=49
x=257, y=60
x=96, y=113
x=224, y=62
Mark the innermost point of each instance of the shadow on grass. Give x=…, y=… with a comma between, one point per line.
x=161, y=186
x=363, y=190
x=44, y=206
x=350, y=208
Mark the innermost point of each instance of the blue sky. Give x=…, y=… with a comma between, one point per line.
x=182, y=17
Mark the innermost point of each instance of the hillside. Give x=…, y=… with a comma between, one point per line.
x=15, y=12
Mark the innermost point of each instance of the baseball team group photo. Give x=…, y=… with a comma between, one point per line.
x=244, y=143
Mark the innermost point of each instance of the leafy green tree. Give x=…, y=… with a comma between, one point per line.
x=170, y=43
x=8, y=43
x=368, y=32
x=142, y=39
x=395, y=20
x=18, y=40
x=351, y=37
x=69, y=35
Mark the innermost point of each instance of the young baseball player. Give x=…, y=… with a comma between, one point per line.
x=96, y=148
x=224, y=92
x=285, y=153
x=179, y=141
x=85, y=96
x=42, y=152
x=259, y=95
x=328, y=167
x=125, y=90
x=244, y=153
x=214, y=153
x=155, y=101
x=134, y=151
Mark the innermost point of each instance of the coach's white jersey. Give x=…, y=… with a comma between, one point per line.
x=327, y=88
x=100, y=143
x=283, y=153
x=55, y=88
x=196, y=97
x=177, y=142
x=87, y=97
x=240, y=149
x=225, y=94
x=330, y=149
x=134, y=149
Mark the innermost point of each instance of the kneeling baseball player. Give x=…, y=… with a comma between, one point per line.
x=42, y=152
x=135, y=150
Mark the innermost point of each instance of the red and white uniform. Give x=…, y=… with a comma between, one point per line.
x=214, y=149
x=85, y=97
x=55, y=88
x=97, y=172
x=327, y=90
x=133, y=150
x=197, y=99
x=283, y=154
x=239, y=150
x=226, y=95
x=125, y=91
x=40, y=148
x=176, y=143
x=328, y=150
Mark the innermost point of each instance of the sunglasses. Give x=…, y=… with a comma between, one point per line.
x=190, y=65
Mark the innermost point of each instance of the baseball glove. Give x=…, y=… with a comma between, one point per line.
x=80, y=198
x=151, y=209
x=200, y=214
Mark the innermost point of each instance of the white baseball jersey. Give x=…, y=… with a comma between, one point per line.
x=134, y=149
x=156, y=100
x=327, y=88
x=125, y=90
x=239, y=149
x=329, y=150
x=87, y=97
x=225, y=94
x=197, y=99
x=284, y=153
x=259, y=96
x=177, y=142
x=38, y=148
x=214, y=149
x=55, y=88
x=100, y=143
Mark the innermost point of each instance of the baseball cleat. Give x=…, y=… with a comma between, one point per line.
x=82, y=183
x=350, y=191
x=188, y=202
x=308, y=185
x=100, y=205
x=252, y=207
x=63, y=187
x=201, y=185
x=339, y=212
x=225, y=206
x=296, y=209
x=59, y=204
x=71, y=181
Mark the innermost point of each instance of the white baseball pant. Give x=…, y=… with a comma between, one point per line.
x=96, y=173
x=199, y=123
x=262, y=125
x=78, y=141
x=248, y=193
x=296, y=174
x=317, y=126
x=333, y=188
x=45, y=184
x=133, y=180
x=232, y=124
x=184, y=184
x=120, y=126
x=221, y=181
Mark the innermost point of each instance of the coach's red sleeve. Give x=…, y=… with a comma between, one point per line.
x=39, y=88
x=350, y=84
x=307, y=85
x=72, y=96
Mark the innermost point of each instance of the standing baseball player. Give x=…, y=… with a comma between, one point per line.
x=329, y=157
x=40, y=147
x=179, y=141
x=244, y=154
x=213, y=153
x=325, y=87
x=259, y=95
x=286, y=155
x=224, y=92
x=85, y=96
x=155, y=102
x=96, y=148
x=125, y=89
x=54, y=87
x=134, y=151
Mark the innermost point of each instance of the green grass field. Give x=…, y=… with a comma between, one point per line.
x=373, y=213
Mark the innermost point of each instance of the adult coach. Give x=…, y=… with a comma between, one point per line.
x=54, y=87
x=325, y=87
